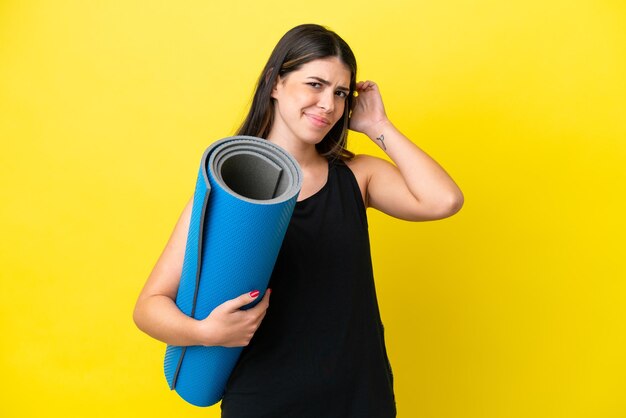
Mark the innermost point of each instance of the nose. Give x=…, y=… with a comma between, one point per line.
x=327, y=100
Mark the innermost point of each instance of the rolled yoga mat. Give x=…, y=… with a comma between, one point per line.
x=244, y=198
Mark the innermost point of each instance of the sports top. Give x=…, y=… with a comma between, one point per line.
x=320, y=350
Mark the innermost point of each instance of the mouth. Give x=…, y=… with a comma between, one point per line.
x=317, y=120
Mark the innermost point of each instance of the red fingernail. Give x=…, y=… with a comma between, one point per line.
x=269, y=290
x=254, y=293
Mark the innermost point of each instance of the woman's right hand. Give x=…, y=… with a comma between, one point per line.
x=230, y=326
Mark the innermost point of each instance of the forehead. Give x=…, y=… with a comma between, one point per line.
x=331, y=69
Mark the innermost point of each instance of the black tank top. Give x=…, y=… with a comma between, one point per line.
x=320, y=350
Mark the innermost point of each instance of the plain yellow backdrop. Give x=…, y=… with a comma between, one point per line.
x=513, y=308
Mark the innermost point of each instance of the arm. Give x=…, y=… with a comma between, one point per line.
x=417, y=188
x=157, y=315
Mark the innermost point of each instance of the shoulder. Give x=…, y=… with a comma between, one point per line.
x=363, y=166
x=365, y=162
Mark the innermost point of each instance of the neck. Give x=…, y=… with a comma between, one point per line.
x=305, y=154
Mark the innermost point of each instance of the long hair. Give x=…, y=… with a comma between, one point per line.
x=298, y=46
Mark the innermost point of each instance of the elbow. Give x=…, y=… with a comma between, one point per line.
x=448, y=206
x=455, y=203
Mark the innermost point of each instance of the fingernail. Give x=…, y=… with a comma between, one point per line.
x=254, y=293
x=269, y=290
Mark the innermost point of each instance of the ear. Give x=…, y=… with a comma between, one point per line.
x=279, y=80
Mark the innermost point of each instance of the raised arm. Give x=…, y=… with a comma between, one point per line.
x=157, y=315
x=416, y=188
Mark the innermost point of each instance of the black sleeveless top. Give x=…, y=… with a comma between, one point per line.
x=320, y=350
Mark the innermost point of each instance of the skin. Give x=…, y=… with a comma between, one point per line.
x=308, y=102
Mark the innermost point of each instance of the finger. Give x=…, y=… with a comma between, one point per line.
x=361, y=85
x=266, y=297
x=264, y=303
x=241, y=301
x=369, y=85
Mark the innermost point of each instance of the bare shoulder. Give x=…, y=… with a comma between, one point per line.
x=363, y=166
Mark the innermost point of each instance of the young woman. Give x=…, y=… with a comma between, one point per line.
x=318, y=349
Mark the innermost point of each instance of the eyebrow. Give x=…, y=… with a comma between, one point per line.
x=327, y=83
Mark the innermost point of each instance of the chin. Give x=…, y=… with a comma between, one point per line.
x=312, y=138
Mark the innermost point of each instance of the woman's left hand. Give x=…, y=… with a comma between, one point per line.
x=368, y=111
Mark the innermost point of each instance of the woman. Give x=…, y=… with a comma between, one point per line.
x=319, y=350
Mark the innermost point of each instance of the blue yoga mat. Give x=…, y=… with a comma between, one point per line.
x=244, y=198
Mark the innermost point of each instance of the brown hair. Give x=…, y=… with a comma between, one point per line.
x=298, y=46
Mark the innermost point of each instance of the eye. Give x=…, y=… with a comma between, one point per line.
x=315, y=84
x=341, y=94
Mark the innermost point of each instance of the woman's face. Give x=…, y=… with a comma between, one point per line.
x=309, y=101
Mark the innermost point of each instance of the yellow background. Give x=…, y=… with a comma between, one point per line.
x=515, y=307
